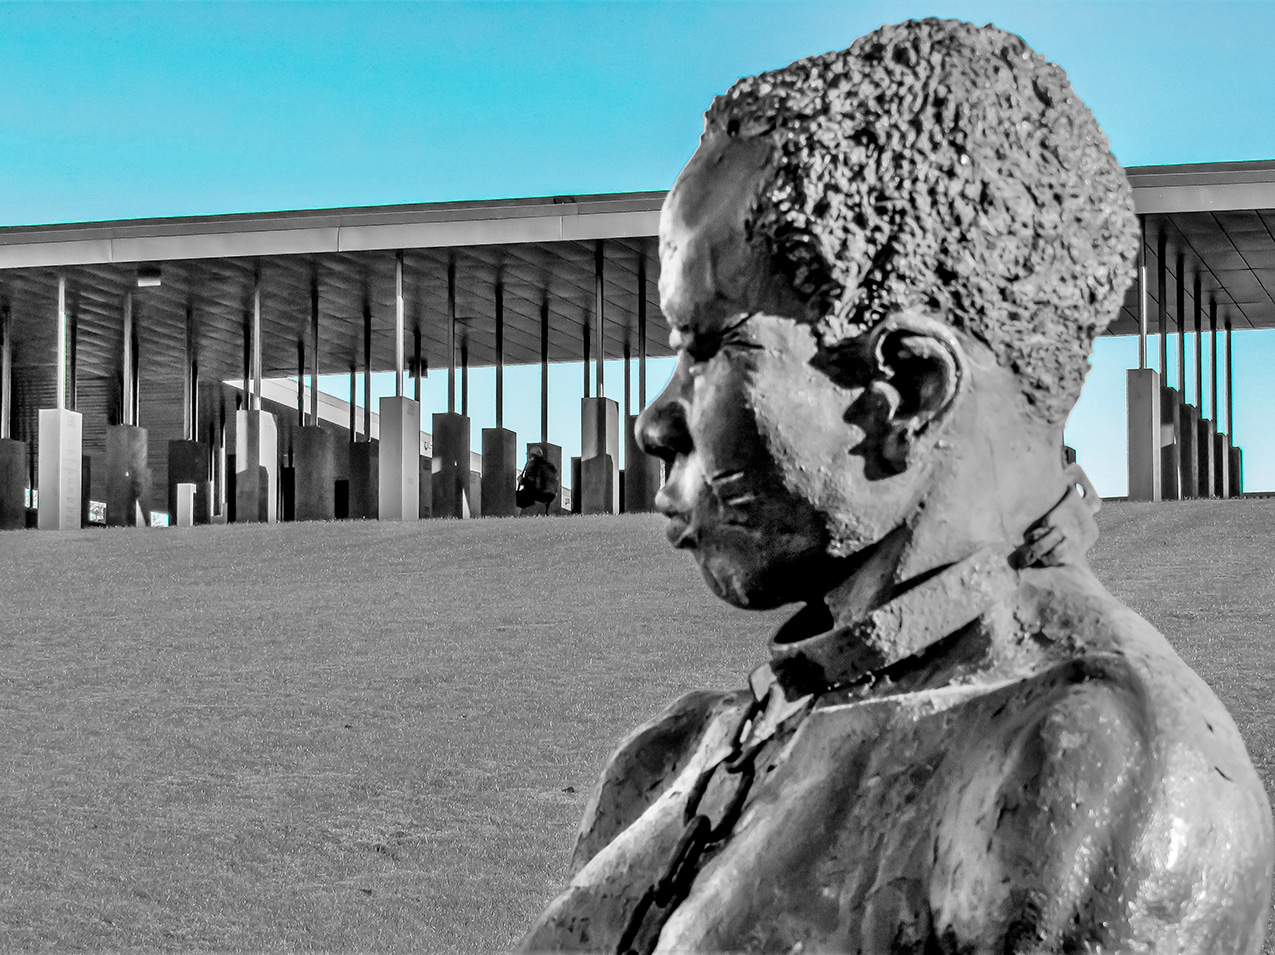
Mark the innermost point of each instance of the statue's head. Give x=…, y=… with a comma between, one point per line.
x=876, y=259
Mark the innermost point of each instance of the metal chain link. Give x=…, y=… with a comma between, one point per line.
x=729, y=779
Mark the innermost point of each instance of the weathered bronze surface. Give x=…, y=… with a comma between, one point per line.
x=884, y=269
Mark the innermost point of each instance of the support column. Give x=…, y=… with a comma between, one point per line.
x=500, y=358
x=189, y=390
x=1143, y=393
x=255, y=404
x=544, y=375
x=314, y=350
x=585, y=356
x=1142, y=292
x=61, y=444
x=354, y=433
x=1231, y=463
x=451, y=337
x=1188, y=431
x=300, y=382
x=499, y=482
x=599, y=316
x=13, y=454
x=641, y=471
x=418, y=366
x=399, y=458
x=464, y=374
x=1204, y=430
x=1218, y=471
x=367, y=372
x=128, y=477
x=398, y=325
x=449, y=480
x=1170, y=408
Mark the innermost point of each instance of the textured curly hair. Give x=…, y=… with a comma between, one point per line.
x=947, y=166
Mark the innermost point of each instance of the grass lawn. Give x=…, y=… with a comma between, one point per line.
x=368, y=737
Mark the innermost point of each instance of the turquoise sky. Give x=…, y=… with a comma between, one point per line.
x=127, y=110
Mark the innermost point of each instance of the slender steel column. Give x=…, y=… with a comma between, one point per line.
x=500, y=354
x=136, y=392
x=628, y=389
x=586, y=357
x=641, y=317
x=544, y=370
x=451, y=337
x=1162, y=306
x=1213, y=357
x=354, y=434
x=1142, y=292
x=1196, y=309
x=73, y=370
x=194, y=398
x=398, y=325
x=301, y=382
x=367, y=370
x=247, y=358
x=599, y=346
x=256, y=343
x=464, y=373
x=126, y=361
x=314, y=347
x=416, y=360
x=188, y=383
x=1181, y=289
x=6, y=371
x=1230, y=407
x=61, y=330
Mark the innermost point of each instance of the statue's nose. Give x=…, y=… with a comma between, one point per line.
x=661, y=428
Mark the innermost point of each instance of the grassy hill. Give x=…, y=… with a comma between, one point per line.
x=377, y=737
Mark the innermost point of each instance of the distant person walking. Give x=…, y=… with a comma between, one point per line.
x=538, y=482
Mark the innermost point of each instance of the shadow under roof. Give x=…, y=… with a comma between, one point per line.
x=1219, y=217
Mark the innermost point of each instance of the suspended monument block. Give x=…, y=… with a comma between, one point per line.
x=500, y=472
x=61, y=449
x=600, y=437
x=127, y=475
x=256, y=467
x=399, y=475
x=1142, y=392
x=450, y=480
x=13, y=484
x=365, y=480
x=314, y=462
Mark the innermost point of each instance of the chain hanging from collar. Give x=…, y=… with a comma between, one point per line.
x=713, y=806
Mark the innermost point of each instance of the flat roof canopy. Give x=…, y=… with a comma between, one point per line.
x=1220, y=217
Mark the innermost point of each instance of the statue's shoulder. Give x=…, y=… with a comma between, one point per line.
x=646, y=763
x=1114, y=792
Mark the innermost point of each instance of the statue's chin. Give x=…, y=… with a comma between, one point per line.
x=737, y=586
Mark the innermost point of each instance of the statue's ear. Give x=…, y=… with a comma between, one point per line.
x=915, y=369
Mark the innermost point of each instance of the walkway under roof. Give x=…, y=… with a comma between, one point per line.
x=1219, y=217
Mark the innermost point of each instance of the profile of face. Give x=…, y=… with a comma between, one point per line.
x=776, y=479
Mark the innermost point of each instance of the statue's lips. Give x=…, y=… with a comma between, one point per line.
x=679, y=532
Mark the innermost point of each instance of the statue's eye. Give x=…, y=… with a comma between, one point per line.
x=702, y=348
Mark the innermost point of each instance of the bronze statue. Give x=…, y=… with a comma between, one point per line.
x=884, y=269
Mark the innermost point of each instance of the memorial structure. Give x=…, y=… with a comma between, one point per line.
x=883, y=269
